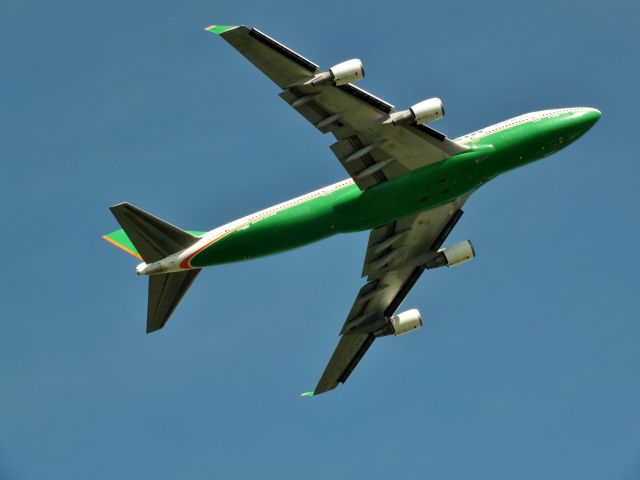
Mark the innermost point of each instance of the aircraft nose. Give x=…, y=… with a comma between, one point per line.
x=567, y=128
x=585, y=118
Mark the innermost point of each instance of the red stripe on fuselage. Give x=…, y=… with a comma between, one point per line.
x=186, y=265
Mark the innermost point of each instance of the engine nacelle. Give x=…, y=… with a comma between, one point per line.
x=406, y=321
x=340, y=74
x=422, y=112
x=427, y=110
x=347, y=72
x=454, y=255
x=459, y=253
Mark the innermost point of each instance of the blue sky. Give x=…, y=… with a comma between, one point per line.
x=527, y=366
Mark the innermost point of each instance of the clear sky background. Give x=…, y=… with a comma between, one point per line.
x=528, y=364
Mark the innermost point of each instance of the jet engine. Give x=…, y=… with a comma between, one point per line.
x=456, y=254
x=422, y=112
x=347, y=72
x=427, y=110
x=406, y=321
x=341, y=74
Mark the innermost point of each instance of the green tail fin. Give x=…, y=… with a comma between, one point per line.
x=120, y=239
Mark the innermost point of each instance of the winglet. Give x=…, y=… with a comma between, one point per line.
x=219, y=29
x=307, y=394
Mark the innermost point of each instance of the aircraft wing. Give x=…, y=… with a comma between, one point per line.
x=395, y=259
x=369, y=145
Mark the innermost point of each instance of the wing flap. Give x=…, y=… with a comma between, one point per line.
x=359, y=156
x=315, y=114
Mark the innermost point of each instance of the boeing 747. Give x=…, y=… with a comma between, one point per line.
x=407, y=185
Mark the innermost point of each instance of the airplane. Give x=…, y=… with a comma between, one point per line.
x=407, y=186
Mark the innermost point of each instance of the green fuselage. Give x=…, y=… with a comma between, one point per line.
x=346, y=208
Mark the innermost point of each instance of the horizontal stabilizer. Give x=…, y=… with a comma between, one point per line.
x=165, y=292
x=153, y=238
